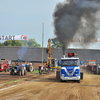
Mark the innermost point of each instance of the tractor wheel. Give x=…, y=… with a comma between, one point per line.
x=6, y=70
x=27, y=67
x=30, y=68
x=25, y=72
x=11, y=73
x=98, y=71
x=95, y=72
x=78, y=81
x=19, y=72
x=22, y=71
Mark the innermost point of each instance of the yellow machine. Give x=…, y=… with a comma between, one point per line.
x=51, y=62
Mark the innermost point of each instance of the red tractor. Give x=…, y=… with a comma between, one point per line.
x=91, y=65
x=3, y=65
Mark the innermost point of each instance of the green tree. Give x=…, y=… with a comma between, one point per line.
x=28, y=43
x=33, y=43
x=25, y=43
x=1, y=44
x=12, y=43
x=55, y=43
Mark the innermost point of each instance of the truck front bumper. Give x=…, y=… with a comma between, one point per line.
x=70, y=78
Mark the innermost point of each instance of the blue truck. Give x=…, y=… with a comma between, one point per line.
x=70, y=68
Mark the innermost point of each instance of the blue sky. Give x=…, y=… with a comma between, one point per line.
x=19, y=17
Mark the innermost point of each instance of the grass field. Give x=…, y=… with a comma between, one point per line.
x=35, y=71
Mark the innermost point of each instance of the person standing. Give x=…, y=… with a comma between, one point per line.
x=40, y=69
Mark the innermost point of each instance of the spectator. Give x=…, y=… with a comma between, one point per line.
x=40, y=69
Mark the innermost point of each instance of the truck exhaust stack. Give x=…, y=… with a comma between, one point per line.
x=64, y=56
x=63, y=52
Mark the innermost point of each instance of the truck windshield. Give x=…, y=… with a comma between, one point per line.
x=70, y=62
x=92, y=62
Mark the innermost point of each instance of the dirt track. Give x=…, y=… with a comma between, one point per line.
x=48, y=88
x=6, y=77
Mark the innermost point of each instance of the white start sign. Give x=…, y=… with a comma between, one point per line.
x=13, y=37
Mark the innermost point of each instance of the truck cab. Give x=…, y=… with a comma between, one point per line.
x=70, y=68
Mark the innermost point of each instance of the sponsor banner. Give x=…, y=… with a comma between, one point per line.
x=13, y=37
x=85, y=40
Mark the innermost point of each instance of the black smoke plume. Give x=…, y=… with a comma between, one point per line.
x=76, y=18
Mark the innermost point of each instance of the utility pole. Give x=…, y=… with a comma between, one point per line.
x=42, y=40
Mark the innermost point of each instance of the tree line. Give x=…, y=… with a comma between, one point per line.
x=30, y=43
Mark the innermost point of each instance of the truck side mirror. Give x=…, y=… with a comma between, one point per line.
x=58, y=63
x=81, y=62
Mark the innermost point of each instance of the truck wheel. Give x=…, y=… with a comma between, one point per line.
x=81, y=76
x=78, y=81
x=61, y=80
x=97, y=71
x=22, y=71
x=19, y=72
